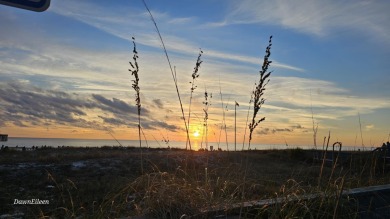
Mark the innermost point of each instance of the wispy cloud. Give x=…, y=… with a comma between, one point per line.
x=370, y=127
x=119, y=26
x=315, y=17
x=250, y=60
x=326, y=98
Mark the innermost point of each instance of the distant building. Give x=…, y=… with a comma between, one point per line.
x=3, y=137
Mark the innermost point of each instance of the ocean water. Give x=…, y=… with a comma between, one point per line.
x=55, y=142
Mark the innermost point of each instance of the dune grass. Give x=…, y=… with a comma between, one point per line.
x=135, y=72
x=110, y=184
x=258, y=99
x=194, y=76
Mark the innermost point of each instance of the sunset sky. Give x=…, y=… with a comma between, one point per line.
x=64, y=72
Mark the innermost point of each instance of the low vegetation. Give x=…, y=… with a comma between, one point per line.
x=108, y=182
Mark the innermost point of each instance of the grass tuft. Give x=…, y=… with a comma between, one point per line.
x=258, y=93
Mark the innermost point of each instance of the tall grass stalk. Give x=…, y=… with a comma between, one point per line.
x=207, y=103
x=315, y=128
x=323, y=143
x=194, y=76
x=223, y=112
x=134, y=71
x=146, y=140
x=235, y=125
x=323, y=160
x=335, y=160
x=115, y=138
x=247, y=117
x=157, y=141
x=225, y=127
x=258, y=93
x=338, y=198
x=165, y=140
x=223, y=124
x=174, y=76
x=361, y=132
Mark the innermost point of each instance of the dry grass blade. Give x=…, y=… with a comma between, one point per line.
x=247, y=119
x=172, y=72
x=315, y=128
x=258, y=93
x=223, y=123
x=134, y=71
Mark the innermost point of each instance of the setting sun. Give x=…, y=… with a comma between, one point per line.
x=196, y=134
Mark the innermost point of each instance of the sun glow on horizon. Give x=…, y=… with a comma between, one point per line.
x=196, y=134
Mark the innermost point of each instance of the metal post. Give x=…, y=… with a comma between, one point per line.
x=235, y=125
